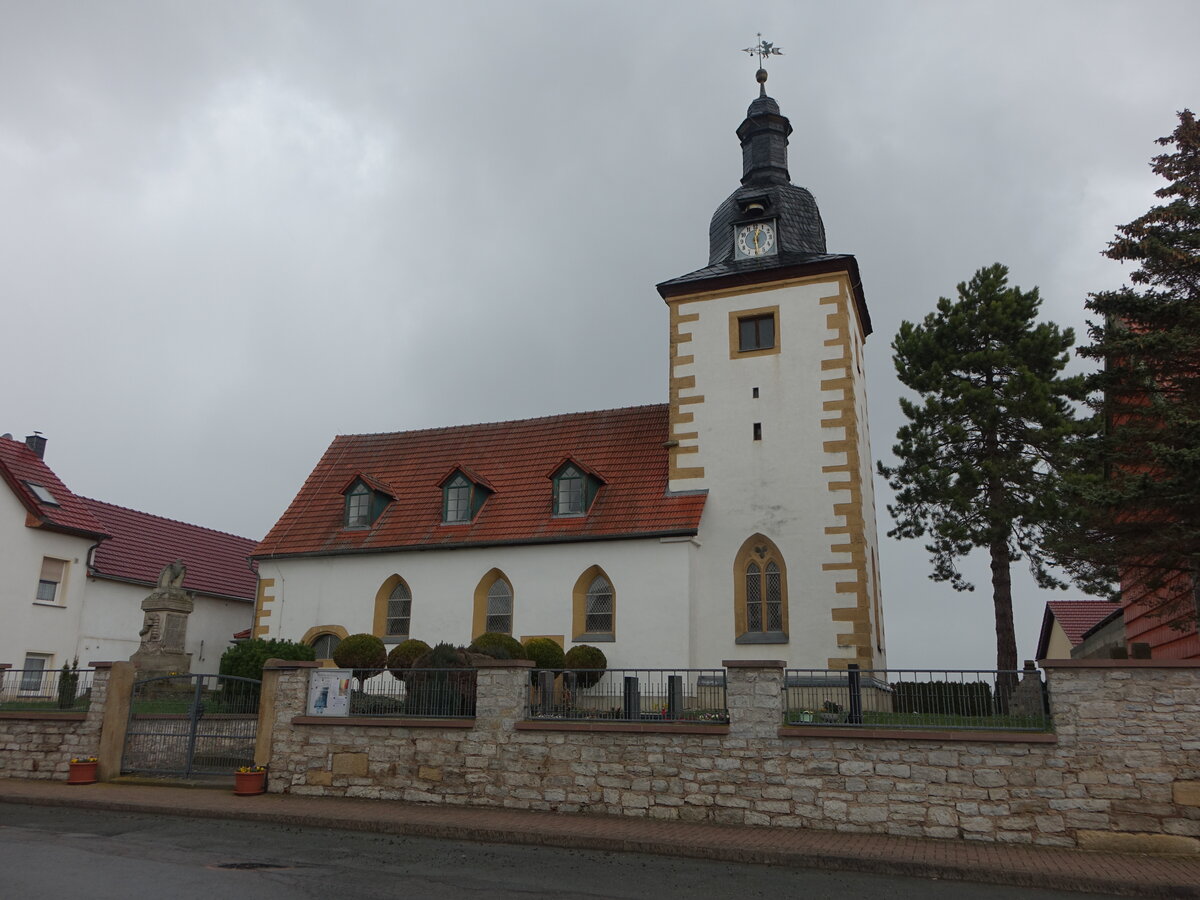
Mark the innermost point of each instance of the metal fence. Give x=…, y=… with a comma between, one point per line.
x=917, y=698
x=419, y=693
x=45, y=690
x=629, y=695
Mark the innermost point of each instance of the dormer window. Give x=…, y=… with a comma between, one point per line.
x=364, y=503
x=574, y=490
x=461, y=499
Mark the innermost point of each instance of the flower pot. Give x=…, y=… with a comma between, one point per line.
x=246, y=784
x=82, y=773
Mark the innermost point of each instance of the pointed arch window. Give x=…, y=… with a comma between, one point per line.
x=594, y=607
x=500, y=607
x=760, y=593
x=399, y=611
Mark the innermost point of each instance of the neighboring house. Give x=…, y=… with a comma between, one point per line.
x=1157, y=617
x=736, y=520
x=1080, y=629
x=73, y=571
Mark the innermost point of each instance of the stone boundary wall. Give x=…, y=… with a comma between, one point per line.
x=1121, y=772
x=41, y=744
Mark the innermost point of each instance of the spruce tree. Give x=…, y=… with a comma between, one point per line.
x=1141, y=508
x=980, y=457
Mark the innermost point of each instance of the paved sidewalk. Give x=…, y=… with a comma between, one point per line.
x=1009, y=864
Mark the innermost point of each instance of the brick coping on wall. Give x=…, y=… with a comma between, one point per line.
x=383, y=722
x=914, y=734
x=1119, y=663
x=621, y=727
x=43, y=715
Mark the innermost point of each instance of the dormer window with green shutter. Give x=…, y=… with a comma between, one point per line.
x=462, y=498
x=574, y=490
x=364, y=503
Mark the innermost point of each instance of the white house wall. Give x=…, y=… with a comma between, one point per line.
x=30, y=626
x=649, y=577
x=113, y=616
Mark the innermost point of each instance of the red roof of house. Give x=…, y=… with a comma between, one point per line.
x=1077, y=617
x=624, y=447
x=141, y=545
x=20, y=467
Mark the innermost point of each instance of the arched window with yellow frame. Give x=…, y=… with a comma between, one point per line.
x=760, y=613
x=393, y=610
x=594, y=607
x=493, y=605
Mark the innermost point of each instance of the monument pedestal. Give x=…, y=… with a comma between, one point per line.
x=164, y=631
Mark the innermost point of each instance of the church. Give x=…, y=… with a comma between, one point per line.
x=734, y=521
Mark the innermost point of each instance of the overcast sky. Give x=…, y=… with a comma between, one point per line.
x=230, y=231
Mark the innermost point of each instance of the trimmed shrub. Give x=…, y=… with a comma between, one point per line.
x=364, y=653
x=545, y=653
x=444, y=693
x=498, y=646
x=585, y=656
x=246, y=659
x=403, y=656
x=68, y=681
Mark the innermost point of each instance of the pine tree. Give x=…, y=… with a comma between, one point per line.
x=980, y=456
x=1142, y=507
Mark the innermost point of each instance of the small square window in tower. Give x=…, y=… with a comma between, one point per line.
x=756, y=333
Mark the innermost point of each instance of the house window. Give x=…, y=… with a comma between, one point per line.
x=760, y=593
x=358, y=507
x=500, y=607
x=568, y=492
x=49, y=589
x=458, y=500
x=399, y=611
x=598, y=618
x=42, y=493
x=34, y=673
x=756, y=333
x=324, y=645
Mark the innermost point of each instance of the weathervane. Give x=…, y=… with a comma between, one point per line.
x=762, y=50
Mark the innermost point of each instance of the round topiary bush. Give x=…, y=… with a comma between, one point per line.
x=587, y=657
x=498, y=646
x=545, y=653
x=441, y=692
x=364, y=653
x=404, y=654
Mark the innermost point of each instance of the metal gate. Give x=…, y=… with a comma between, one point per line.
x=191, y=725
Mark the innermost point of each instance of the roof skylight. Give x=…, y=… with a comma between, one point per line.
x=43, y=495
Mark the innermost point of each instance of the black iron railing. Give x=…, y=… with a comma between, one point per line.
x=629, y=695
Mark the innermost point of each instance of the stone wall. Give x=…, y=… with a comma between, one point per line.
x=1122, y=770
x=41, y=744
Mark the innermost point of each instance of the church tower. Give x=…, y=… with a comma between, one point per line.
x=768, y=415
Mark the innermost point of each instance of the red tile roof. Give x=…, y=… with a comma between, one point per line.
x=19, y=465
x=1077, y=617
x=625, y=445
x=141, y=544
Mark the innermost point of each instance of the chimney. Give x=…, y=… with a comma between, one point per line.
x=37, y=444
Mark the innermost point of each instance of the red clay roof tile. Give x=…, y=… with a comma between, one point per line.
x=1077, y=617
x=20, y=466
x=141, y=544
x=627, y=445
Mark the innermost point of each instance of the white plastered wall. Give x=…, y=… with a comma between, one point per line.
x=30, y=626
x=113, y=616
x=778, y=486
x=650, y=578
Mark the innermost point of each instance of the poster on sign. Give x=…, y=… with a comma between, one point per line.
x=329, y=692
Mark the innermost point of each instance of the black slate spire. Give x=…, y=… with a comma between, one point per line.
x=767, y=191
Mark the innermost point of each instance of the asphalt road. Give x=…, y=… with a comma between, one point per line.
x=49, y=852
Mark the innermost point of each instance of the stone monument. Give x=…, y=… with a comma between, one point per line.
x=164, y=628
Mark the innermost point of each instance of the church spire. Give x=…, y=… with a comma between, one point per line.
x=764, y=133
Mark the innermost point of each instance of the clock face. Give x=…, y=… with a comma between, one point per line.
x=755, y=239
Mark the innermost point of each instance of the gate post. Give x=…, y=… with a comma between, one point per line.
x=118, y=692
x=268, y=697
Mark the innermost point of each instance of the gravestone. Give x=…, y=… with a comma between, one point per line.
x=164, y=627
